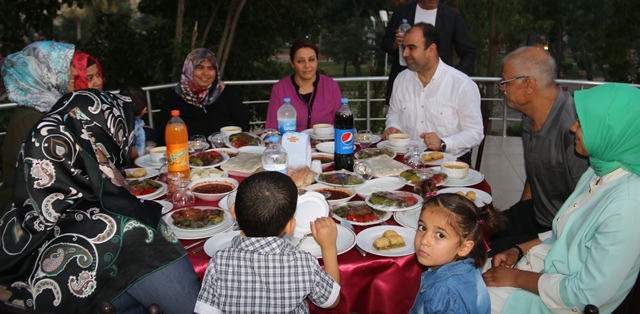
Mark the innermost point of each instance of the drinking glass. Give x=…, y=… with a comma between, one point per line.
x=198, y=143
x=172, y=181
x=267, y=134
x=164, y=169
x=218, y=140
x=413, y=151
x=364, y=138
x=363, y=168
x=183, y=197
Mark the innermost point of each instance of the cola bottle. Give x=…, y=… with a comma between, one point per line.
x=343, y=137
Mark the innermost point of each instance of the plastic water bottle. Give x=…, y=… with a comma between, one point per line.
x=177, y=140
x=274, y=157
x=404, y=27
x=286, y=117
x=344, y=137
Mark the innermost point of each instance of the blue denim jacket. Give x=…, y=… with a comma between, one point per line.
x=139, y=140
x=456, y=287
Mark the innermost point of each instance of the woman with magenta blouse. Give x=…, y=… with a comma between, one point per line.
x=316, y=97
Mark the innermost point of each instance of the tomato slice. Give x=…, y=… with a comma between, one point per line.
x=148, y=191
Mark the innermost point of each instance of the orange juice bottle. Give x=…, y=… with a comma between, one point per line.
x=177, y=140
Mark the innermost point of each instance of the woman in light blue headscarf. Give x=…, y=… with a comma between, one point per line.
x=592, y=255
x=35, y=78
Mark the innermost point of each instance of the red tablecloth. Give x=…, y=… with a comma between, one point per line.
x=370, y=284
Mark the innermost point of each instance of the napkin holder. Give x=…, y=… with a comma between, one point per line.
x=298, y=147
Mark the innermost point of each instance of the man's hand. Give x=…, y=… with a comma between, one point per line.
x=432, y=141
x=389, y=131
x=398, y=42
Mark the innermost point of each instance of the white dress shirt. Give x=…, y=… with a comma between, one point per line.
x=449, y=105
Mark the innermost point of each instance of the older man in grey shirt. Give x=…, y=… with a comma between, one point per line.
x=552, y=166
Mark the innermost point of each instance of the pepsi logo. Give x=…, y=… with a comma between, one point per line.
x=346, y=138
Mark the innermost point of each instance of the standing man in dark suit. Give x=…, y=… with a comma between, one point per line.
x=449, y=25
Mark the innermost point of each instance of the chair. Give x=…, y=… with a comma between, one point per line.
x=486, y=112
x=107, y=308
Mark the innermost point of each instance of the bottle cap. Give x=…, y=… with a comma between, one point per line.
x=287, y=99
x=344, y=100
x=274, y=138
x=175, y=113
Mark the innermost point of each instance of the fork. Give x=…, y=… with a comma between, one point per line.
x=384, y=223
x=302, y=239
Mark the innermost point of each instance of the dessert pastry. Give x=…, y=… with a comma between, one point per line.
x=390, y=240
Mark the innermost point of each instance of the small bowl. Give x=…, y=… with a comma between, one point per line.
x=228, y=130
x=455, y=169
x=323, y=129
x=318, y=187
x=211, y=197
x=399, y=140
x=157, y=153
x=323, y=157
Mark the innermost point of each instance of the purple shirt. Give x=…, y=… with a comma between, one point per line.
x=322, y=107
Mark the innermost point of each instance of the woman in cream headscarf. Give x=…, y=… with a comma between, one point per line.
x=592, y=255
x=35, y=78
x=206, y=104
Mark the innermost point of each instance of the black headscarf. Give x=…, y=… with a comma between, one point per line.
x=75, y=235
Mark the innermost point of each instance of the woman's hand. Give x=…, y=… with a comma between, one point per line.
x=501, y=276
x=507, y=258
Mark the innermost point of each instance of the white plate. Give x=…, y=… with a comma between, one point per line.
x=224, y=202
x=351, y=191
x=474, y=177
x=151, y=172
x=401, y=150
x=326, y=147
x=380, y=184
x=318, y=137
x=219, y=242
x=310, y=206
x=386, y=216
x=345, y=241
x=225, y=158
x=388, y=208
x=482, y=197
x=166, y=206
x=251, y=134
x=339, y=185
x=408, y=218
x=447, y=157
x=232, y=152
x=366, y=237
x=252, y=149
x=159, y=192
x=183, y=234
x=145, y=161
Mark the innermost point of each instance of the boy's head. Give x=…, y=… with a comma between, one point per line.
x=265, y=204
x=138, y=97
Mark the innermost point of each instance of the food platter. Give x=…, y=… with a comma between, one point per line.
x=150, y=173
x=340, y=178
x=446, y=157
x=367, y=236
x=414, y=201
x=224, y=159
x=185, y=234
x=384, y=216
x=201, y=210
x=242, y=139
x=345, y=241
x=157, y=193
x=435, y=174
x=482, y=198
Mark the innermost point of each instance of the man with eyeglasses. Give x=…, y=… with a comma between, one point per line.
x=551, y=164
x=433, y=102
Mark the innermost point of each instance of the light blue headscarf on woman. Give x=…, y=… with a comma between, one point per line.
x=611, y=133
x=38, y=76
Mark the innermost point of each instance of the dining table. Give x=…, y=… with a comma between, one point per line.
x=370, y=283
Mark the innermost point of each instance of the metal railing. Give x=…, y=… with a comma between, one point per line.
x=500, y=113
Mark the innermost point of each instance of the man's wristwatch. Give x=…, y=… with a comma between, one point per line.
x=443, y=146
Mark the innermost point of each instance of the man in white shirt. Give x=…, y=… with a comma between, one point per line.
x=433, y=102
